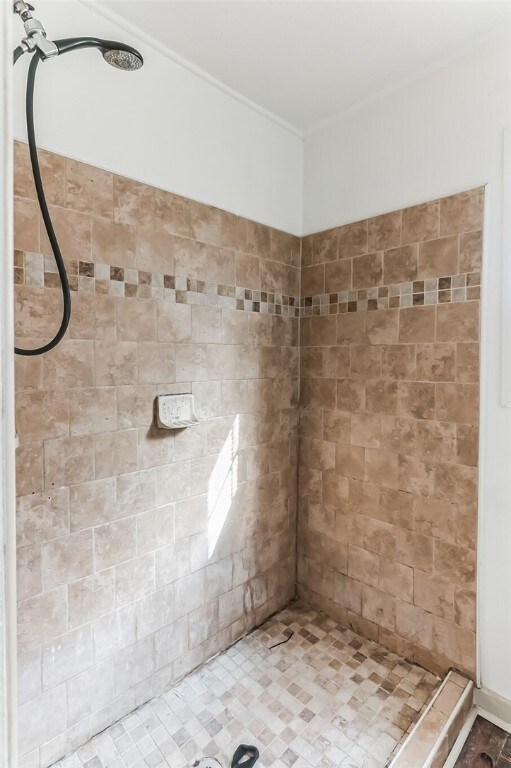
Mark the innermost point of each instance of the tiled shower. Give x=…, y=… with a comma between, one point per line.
x=335, y=379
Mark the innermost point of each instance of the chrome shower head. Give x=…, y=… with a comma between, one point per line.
x=123, y=59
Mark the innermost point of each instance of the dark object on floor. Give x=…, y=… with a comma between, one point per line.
x=289, y=633
x=245, y=756
x=487, y=746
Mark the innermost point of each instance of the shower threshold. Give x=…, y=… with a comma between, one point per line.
x=326, y=698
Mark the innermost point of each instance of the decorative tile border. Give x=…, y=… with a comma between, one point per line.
x=435, y=290
x=39, y=271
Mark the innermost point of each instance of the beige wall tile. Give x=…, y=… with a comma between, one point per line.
x=41, y=415
x=313, y=281
x=383, y=326
x=113, y=632
x=115, y=365
x=400, y=265
x=26, y=224
x=29, y=676
x=417, y=324
x=133, y=203
x=415, y=624
x=34, y=316
x=93, y=316
x=92, y=411
x=42, y=718
x=378, y=607
x=436, y=362
x=352, y=239
x=462, y=212
x=67, y=559
x=189, y=594
x=133, y=664
x=363, y=566
x=134, y=579
x=91, y=597
x=52, y=169
x=42, y=516
x=172, y=213
x=89, y=691
x=68, y=461
x=156, y=363
x=368, y=270
x=92, y=503
x=155, y=529
x=89, y=189
x=69, y=366
x=471, y=251
x=421, y=222
x=248, y=271
x=438, y=257
x=114, y=542
x=458, y=322
x=66, y=656
x=73, y=232
x=135, y=406
x=112, y=244
x=435, y=594
x=206, y=325
x=115, y=453
x=29, y=574
x=385, y=231
x=136, y=320
x=41, y=618
x=337, y=276
x=154, y=251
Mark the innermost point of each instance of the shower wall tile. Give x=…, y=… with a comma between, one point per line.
x=389, y=427
x=144, y=551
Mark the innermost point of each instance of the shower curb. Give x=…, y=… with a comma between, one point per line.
x=434, y=734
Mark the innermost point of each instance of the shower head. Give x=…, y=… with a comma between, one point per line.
x=118, y=55
x=121, y=59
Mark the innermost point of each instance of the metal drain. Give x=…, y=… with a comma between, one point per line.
x=207, y=762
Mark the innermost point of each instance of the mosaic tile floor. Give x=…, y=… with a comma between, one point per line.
x=327, y=698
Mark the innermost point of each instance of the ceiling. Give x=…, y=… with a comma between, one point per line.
x=307, y=61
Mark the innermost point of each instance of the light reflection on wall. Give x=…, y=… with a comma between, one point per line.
x=222, y=486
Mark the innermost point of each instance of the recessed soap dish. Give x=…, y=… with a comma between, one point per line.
x=175, y=411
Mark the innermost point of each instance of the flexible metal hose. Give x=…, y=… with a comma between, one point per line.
x=66, y=293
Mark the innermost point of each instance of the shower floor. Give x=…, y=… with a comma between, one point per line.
x=326, y=698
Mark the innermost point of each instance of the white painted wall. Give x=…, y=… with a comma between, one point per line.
x=430, y=138
x=162, y=125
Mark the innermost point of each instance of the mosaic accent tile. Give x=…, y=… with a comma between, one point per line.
x=441, y=290
x=325, y=698
x=88, y=277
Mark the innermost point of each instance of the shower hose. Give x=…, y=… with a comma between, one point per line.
x=64, y=282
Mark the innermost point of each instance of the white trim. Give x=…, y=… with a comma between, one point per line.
x=494, y=707
x=489, y=196
x=8, y=735
x=506, y=270
x=131, y=29
x=483, y=699
x=462, y=737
